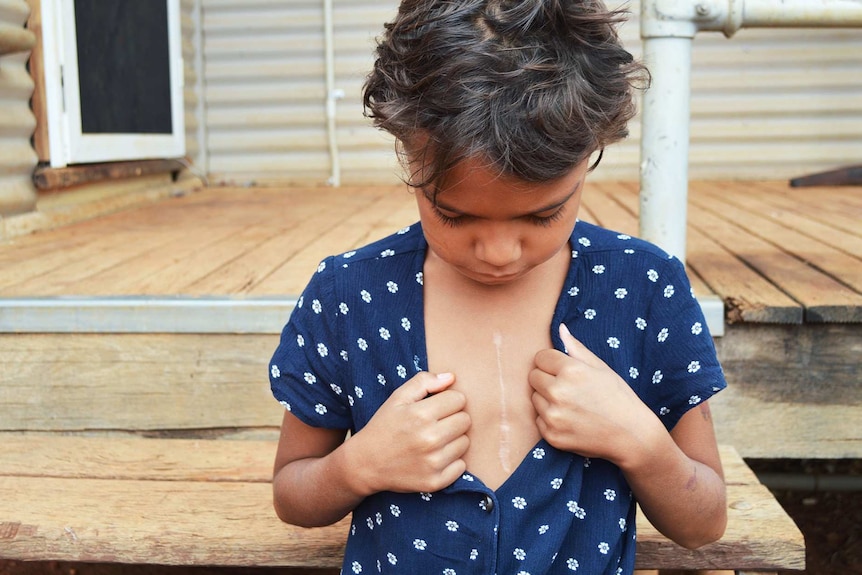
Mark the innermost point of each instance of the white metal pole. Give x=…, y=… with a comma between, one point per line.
x=332, y=95
x=664, y=144
x=801, y=13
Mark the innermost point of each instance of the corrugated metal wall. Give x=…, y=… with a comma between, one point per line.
x=193, y=87
x=17, y=158
x=765, y=103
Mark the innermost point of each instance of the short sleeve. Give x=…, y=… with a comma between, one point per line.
x=305, y=371
x=682, y=369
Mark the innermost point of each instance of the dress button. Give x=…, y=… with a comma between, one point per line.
x=487, y=503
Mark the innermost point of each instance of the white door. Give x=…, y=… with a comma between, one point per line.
x=113, y=80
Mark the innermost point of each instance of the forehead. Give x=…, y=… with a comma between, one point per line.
x=471, y=185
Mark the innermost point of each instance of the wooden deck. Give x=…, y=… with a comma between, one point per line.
x=772, y=253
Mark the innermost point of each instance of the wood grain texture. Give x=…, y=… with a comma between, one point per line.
x=179, y=502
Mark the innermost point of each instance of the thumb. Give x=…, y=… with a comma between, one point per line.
x=570, y=344
x=424, y=384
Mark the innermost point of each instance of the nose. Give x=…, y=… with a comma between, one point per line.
x=498, y=246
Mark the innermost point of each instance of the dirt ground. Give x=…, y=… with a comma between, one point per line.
x=830, y=521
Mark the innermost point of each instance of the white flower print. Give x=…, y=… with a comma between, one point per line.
x=574, y=290
x=378, y=518
x=572, y=564
x=538, y=453
x=358, y=391
x=587, y=462
x=604, y=548
x=663, y=411
x=384, y=333
x=610, y=494
x=697, y=328
x=574, y=254
x=321, y=266
x=543, y=529
x=449, y=571
x=392, y=558
x=425, y=496
x=556, y=482
x=402, y=371
x=584, y=242
x=598, y=269
x=519, y=554
x=468, y=477
x=652, y=275
x=350, y=400
x=387, y=253
x=452, y=526
x=629, y=251
x=370, y=522
x=623, y=237
x=519, y=503
x=668, y=291
x=366, y=297
x=640, y=323
x=403, y=230
x=579, y=511
x=380, y=379
x=633, y=372
x=316, y=307
x=622, y=523
x=336, y=388
x=286, y=405
x=621, y=293
x=395, y=510
x=343, y=354
x=657, y=377
x=420, y=544
x=694, y=367
x=320, y=409
x=662, y=335
x=392, y=287
x=274, y=371
x=309, y=378
x=322, y=350
x=405, y=323
x=420, y=278
x=474, y=554
x=357, y=567
x=363, y=345
x=342, y=307
x=694, y=400
x=349, y=255
x=590, y=313
x=613, y=342
x=300, y=301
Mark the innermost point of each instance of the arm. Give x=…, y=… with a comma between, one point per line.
x=414, y=442
x=585, y=407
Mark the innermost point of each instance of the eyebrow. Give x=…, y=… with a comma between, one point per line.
x=442, y=205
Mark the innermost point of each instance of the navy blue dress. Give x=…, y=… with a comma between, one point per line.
x=357, y=333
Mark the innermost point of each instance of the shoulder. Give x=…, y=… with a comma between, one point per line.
x=384, y=252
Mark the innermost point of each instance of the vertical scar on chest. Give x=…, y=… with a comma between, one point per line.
x=504, y=452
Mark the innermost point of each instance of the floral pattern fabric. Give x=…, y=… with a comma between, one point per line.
x=357, y=333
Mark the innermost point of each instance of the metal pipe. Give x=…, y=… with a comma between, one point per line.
x=332, y=95
x=667, y=30
x=664, y=144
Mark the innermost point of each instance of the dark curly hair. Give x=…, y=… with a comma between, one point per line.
x=532, y=86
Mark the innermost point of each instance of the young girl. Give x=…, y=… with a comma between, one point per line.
x=512, y=379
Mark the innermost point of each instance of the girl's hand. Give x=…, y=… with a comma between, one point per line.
x=415, y=441
x=584, y=407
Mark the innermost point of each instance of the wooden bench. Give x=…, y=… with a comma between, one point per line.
x=158, y=449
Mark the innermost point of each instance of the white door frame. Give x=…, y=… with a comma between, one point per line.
x=67, y=143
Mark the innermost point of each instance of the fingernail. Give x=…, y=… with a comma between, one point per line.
x=564, y=330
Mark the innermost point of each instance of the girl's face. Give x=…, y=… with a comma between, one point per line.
x=494, y=229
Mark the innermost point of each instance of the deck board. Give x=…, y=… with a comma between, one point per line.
x=771, y=252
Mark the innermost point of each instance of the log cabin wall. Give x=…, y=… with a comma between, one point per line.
x=767, y=103
x=17, y=158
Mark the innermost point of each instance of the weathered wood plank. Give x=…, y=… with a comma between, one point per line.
x=149, y=521
x=793, y=391
x=136, y=381
x=46, y=178
x=816, y=203
x=824, y=299
x=836, y=263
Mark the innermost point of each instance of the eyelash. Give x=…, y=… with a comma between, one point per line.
x=545, y=221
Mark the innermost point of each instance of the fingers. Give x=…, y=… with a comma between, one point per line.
x=421, y=386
